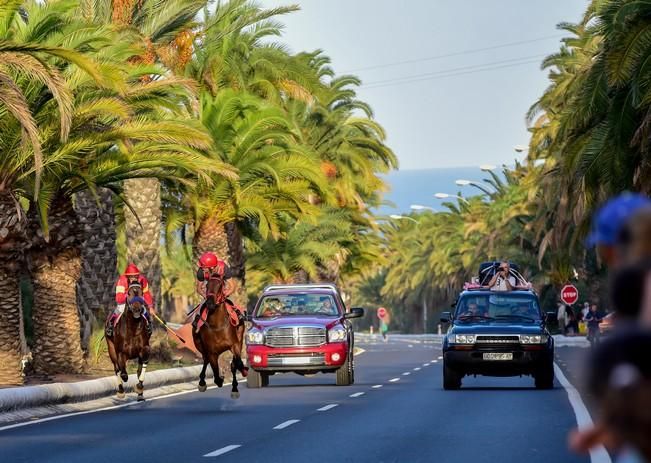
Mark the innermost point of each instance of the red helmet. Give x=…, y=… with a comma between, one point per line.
x=208, y=260
x=132, y=270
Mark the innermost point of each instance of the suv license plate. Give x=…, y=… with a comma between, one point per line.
x=498, y=356
x=296, y=360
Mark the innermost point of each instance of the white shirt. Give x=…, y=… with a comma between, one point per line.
x=500, y=283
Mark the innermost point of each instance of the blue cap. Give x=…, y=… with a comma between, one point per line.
x=610, y=218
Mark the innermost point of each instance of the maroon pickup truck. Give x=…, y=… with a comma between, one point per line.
x=303, y=329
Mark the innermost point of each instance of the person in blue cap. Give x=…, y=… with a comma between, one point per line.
x=610, y=221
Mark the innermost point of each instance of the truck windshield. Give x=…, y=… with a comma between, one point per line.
x=502, y=306
x=297, y=304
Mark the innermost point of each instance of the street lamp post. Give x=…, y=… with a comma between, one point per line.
x=475, y=184
x=405, y=217
x=419, y=207
x=447, y=196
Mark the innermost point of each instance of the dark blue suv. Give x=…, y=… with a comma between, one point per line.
x=497, y=333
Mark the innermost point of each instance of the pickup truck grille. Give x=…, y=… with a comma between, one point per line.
x=498, y=339
x=295, y=336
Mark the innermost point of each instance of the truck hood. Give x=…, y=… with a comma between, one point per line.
x=326, y=322
x=497, y=328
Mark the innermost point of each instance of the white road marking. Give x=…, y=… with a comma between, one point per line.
x=410, y=345
x=425, y=364
x=393, y=380
x=327, y=407
x=357, y=394
x=417, y=369
x=286, y=424
x=440, y=358
x=583, y=419
x=377, y=386
x=103, y=409
x=406, y=373
x=222, y=450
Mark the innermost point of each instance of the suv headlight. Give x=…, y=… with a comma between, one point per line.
x=255, y=336
x=461, y=338
x=337, y=334
x=533, y=338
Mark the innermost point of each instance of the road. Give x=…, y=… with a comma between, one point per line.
x=396, y=412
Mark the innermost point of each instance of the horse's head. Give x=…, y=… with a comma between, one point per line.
x=135, y=301
x=214, y=291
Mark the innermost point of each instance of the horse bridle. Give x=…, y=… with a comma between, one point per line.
x=219, y=296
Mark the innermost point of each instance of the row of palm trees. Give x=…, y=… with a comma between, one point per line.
x=590, y=130
x=134, y=124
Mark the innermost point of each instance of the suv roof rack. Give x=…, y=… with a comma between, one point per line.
x=302, y=286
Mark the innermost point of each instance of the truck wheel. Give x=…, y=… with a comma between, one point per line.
x=544, y=377
x=256, y=379
x=345, y=374
x=451, y=379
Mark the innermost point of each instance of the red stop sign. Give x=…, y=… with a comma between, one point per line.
x=569, y=294
x=381, y=312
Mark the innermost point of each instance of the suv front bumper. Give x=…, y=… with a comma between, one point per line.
x=471, y=361
x=320, y=358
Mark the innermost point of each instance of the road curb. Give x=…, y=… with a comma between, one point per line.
x=17, y=398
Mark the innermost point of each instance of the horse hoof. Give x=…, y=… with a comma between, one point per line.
x=120, y=395
x=125, y=377
x=235, y=395
x=219, y=382
x=141, y=398
x=140, y=389
x=245, y=372
x=202, y=388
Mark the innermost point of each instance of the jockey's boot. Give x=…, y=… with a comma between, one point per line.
x=149, y=325
x=109, y=325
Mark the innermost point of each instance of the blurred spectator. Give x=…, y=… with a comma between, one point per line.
x=562, y=317
x=585, y=310
x=572, y=327
x=593, y=319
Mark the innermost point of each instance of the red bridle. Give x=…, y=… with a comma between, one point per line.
x=217, y=294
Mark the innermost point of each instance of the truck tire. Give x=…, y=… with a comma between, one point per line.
x=256, y=379
x=346, y=373
x=544, y=377
x=451, y=379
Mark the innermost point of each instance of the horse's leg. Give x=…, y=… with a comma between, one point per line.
x=236, y=349
x=214, y=364
x=202, y=376
x=122, y=365
x=140, y=387
x=235, y=394
x=120, y=383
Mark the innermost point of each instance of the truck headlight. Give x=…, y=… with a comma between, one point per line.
x=533, y=338
x=254, y=336
x=337, y=334
x=461, y=338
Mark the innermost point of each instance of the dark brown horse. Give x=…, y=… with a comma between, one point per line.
x=218, y=335
x=130, y=340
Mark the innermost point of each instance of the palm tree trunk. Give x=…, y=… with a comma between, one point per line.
x=98, y=259
x=55, y=266
x=237, y=263
x=12, y=241
x=144, y=231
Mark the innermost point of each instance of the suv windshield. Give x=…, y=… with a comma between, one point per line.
x=505, y=306
x=297, y=304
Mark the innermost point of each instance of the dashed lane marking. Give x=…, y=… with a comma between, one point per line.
x=394, y=380
x=222, y=450
x=327, y=407
x=286, y=424
x=425, y=364
x=377, y=386
x=440, y=358
x=357, y=394
x=406, y=373
x=417, y=369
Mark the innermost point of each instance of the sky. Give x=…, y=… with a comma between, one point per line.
x=439, y=111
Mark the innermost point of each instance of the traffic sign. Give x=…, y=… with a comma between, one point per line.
x=381, y=313
x=569, y=294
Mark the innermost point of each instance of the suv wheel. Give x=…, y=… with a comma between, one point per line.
x=544, y=377
x=256, y=379
x=346, y=373
x=451, y=379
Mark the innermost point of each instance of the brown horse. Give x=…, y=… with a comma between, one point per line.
x=130, y=340
x=218, y=335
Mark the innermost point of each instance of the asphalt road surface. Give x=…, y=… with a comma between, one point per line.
x=396, y=411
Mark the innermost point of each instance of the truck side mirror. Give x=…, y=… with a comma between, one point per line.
x=445, y=317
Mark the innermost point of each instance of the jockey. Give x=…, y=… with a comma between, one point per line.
x=131, y=276
x=209, y=264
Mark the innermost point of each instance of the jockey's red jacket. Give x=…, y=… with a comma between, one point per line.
x=123, y=285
